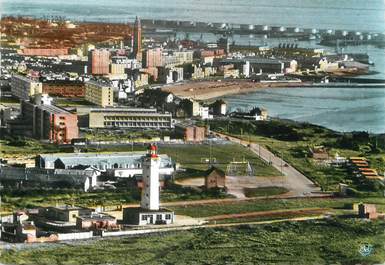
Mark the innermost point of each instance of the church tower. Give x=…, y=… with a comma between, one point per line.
x=137, y=40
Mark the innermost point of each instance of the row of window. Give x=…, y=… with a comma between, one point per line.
x=146, y=217
x=137, y=124
x=130, y=118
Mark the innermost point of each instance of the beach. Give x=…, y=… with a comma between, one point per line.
x=207, y=90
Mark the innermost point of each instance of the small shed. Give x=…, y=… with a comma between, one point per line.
x=215, y=178
x=367, y=211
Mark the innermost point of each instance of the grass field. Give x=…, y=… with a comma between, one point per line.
x=292, y=141
x=24, y=147
x=311, y=242
x=68, y=102
x=220, y=208
x=264, y=191
x=9, y=100
x=193, y=157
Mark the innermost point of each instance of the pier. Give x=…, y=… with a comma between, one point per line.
x=329, y=36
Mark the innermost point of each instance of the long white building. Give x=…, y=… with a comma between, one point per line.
x=121, y=165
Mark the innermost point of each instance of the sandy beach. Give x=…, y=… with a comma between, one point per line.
x=206, y=90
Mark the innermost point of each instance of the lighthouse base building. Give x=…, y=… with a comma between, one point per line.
x=149, y=212
x=140, y=216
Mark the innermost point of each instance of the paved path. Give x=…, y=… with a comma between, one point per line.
x=298, y=184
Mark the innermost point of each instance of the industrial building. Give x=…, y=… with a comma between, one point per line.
x=149, y=212
x=23, y=87
x=99, y=94
x=121, y=165
x=45, y=122
x=84, y=179
x=257, y=65
x=129, y=118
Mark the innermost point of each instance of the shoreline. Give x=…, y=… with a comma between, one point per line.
x=209, y=90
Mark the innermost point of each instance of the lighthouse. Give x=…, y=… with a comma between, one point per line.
x=150, y=191
x=149, y=212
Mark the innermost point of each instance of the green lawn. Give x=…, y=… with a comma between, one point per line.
x=206, y=210
x=67, y=102
x=9, y=100
x=137, y=136
x=33, y=198
x=265, y=191
x=194, y=157
x=292, y=141
x=311, y=242
x=25, y=147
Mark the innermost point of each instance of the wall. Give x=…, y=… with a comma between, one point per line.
x=73, y=236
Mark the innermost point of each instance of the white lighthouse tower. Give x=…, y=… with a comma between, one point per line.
x=149, y=212
x=150, y=191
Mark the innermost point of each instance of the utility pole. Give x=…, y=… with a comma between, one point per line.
x=210, y=158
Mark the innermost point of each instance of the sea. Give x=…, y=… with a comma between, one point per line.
x=338, y=108
x=361, y=15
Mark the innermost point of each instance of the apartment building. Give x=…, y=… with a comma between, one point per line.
x=23, y=87
x=99, y=94
x=129, y=118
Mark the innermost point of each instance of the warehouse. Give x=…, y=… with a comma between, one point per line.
x=122, y=165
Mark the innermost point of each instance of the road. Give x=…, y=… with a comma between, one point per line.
x=298, y=184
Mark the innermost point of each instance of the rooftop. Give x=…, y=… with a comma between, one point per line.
x=98, y=83
x=124, y=110
x=53, y=109
x=24, y=78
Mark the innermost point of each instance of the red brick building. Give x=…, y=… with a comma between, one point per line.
x=67, y=89
x=191, y=133
x=152, y=58
x=96, y=221
x=99, y=62
x=49, y=122
x=47, y=52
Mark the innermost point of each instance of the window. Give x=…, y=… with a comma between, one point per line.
x=168, y=216
x=144, y=217
x=158, y=217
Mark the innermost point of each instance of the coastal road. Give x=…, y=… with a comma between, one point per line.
x=298, y=184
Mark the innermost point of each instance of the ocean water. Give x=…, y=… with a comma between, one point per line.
x=361, y=15
x=341, y=109
x=338, y=108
